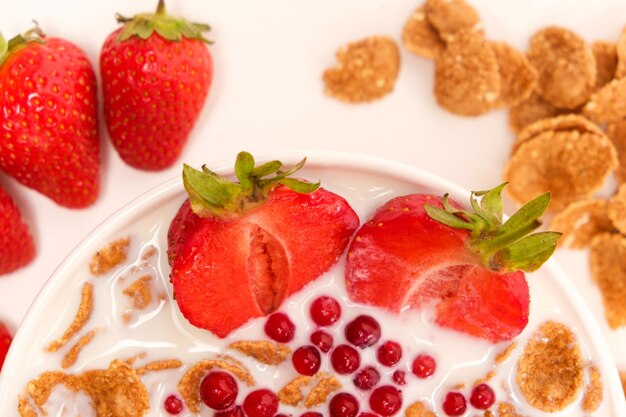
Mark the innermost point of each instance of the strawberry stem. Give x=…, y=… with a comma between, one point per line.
x=213, y=195
x=161, y=8
x=508, y=246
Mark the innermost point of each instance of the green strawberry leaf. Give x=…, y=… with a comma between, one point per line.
x=530, y=252
x=446, y=217
x=4, y=46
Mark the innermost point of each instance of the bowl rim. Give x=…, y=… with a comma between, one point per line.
x=315, y=159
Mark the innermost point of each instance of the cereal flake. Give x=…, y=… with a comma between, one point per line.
x=518, y=78
x=605, y=54
x=550, y=371
x=620, y=71
x=617, y=133
x=593, y=393
x=291, y=393
x=507, y=410
x=139, y=292
x=529, y=111
x=420, y=37
x=617, y=209
x=451, y=16
x=263, y=351
x=71, y=356
x=467, y=77
x=581, y=221
x=318, y=395
x=608, y=104
x=367, y=70
x=419, y=409
x=109, y=256
x=565, y=65
x=608, y=269
x=569, y=164
x=82, y=317
x=506, y=353
x=157, y=366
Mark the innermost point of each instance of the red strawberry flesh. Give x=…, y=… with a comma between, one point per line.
x=17, y=247
x=5, y=343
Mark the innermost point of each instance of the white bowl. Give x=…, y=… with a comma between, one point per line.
x=336, y=170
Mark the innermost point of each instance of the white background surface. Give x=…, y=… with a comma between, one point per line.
x=267, y=95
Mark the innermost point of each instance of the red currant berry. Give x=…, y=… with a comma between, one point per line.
x=386, y=400
x=325, y=310
x=260, y=403
x=366, y=378
x=366, y=414
x=173, y=405
x=236, y=411
x=312, y=414
x=282, y=415
x=424, y=366
x=322, y=340
x=363, y=331
x=280, y=328
x=454, y=404
x=482, y=397
x=399, y=377
x=345, y=359
x=306, y=360
x=389, y=353
x=343, y=405
x=218, y=390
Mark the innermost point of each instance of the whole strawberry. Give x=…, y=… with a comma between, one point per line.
x=5, y=343
x=17, y=247
x=156, y=73
x=48, y=129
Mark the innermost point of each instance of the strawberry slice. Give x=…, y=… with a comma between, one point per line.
x=420, y=249
x=5, y=343
x=237, y=250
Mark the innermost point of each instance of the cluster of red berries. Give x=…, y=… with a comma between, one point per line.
x=219, y=391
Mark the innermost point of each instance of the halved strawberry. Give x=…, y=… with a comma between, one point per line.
x=422, y=249
x=5, y=343
x=237, y=250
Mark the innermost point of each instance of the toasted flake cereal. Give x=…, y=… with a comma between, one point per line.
x=157, y=366
x=605, y=54
x=189, y=383
x=507, y=410
x=565, y=65
x=559, y=123
x=622, y=376
x=550, y=371
x=518, y=78
x=620, y=71
x=71, y=356
x=617, y=209
x=116, y=391
x=593, y=393
x=569, y=164
x=139, y=292
x=318, y=395
x=506, y=353
x=451, y=16
x=488, y=377
x=581, y=221
x=467, y=78
x=291, y=393
x=617, y=133
x=608, y=269
x=149, y=253
x=367, y=70
x=263, y=351
x=419, y=409
x=420, y=37
x=608, y=104
x=109, y=256
x=82, y=316
x=529, y=111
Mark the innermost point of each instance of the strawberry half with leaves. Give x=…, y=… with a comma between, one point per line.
x=17, y=247
x=237, y=250
x=48, y=129
x=156, y=74
x=422, y=249
x=5, y=343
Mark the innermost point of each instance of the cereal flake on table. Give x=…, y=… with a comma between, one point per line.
x=366, y=70
x=570, y=164
x=605, y=54
x=81, y=318
x=419, y=409
x=467, y=77
x=608, y=269
x=109, y=256
x=565, y=65
x=266, y=352
x=581, y=221
x=420, y=37
x=451, y=16
x=116, y=391
x=530, y=111
x=550, y=370
x=518, y=78
x=617, y=209
x=593, y=393
x=617, y=133
x=622, y=376
x=608, y=104
x=620, y=71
